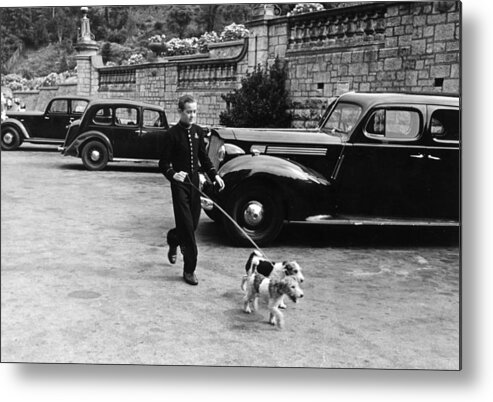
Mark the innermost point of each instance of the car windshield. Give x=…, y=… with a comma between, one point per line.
x=342, y=119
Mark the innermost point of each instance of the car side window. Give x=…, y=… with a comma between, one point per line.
x=78, y=106
x=445, y=125
x=126, y=116
x=343, y=118
x=103, y=116
x=395, y=124
x=59, y=106
x=153, y=118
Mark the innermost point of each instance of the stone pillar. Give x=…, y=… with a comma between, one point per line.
x=87, y=59
x=258, y=41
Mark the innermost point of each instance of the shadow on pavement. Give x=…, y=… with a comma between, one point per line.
x=127, y=167
x=368, y=236
x=37, y=148
x=341, y=236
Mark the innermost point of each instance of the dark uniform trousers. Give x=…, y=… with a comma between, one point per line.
x=186, y=208
x=184, y=150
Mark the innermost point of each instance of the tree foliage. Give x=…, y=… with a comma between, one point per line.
x=32, y=28
x=261, y=101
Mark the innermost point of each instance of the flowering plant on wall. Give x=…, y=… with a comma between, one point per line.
x=134, y=59
x=177, y=47
x=157, y=39
x=12, y=81
x=207, y=38
x=157, y=44
x=303, y=8
x=50, y=80
x=234, y=32
x=17, y=83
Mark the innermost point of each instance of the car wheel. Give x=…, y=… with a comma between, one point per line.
x=11, y=139
x=94, y=156
x=258, y=210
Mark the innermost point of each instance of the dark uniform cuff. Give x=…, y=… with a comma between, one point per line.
x=169, y=174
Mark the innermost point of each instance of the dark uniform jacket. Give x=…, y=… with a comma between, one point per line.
x=183, y=149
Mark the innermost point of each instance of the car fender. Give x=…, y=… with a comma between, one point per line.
x=10, y=122
x=220, y=150
x=303, y=191
x=78, y=143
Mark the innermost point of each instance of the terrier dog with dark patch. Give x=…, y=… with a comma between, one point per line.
x=272, y=270
x=273, y=290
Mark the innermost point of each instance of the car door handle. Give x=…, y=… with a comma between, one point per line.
x=435, y=158
x=417, y=156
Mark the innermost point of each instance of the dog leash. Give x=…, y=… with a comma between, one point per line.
x=230, y=218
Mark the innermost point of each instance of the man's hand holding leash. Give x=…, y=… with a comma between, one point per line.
x=180, y=176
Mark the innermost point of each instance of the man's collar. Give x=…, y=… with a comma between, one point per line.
x=183, y=125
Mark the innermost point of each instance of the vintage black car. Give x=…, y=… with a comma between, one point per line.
x=116, y=129
x=48, y=127
x=376, y=159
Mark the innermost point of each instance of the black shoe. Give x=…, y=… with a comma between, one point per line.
x=172, y=254
x=190, y=278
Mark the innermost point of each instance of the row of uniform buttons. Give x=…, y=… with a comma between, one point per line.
x=191, y=150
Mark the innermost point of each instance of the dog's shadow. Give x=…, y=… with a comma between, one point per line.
x=256, y=321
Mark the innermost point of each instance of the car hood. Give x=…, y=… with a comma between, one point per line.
x=278, y=135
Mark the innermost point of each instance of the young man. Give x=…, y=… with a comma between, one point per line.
x=184, y=147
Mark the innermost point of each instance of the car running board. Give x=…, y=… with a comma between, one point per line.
x=352, y=220
x=45, y=141
x=153, y=161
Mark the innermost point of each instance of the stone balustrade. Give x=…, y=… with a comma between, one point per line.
x=206, y=75
x=337, y=27
x=116, y=76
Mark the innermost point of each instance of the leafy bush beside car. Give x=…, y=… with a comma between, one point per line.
x=262, y=100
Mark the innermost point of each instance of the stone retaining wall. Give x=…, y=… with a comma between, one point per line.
x=388, y=47
x=378, y=46
x=38, y=99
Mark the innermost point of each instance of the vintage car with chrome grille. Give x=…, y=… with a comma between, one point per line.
x=374, y=159
x=48, y=127
x=115, y=129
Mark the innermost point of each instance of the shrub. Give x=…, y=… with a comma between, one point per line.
x=26, y=73
x=116, y=53
x=62, y=64
x=119, y=37
x=262, y=100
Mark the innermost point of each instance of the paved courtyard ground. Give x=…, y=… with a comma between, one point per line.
x=84, y=279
